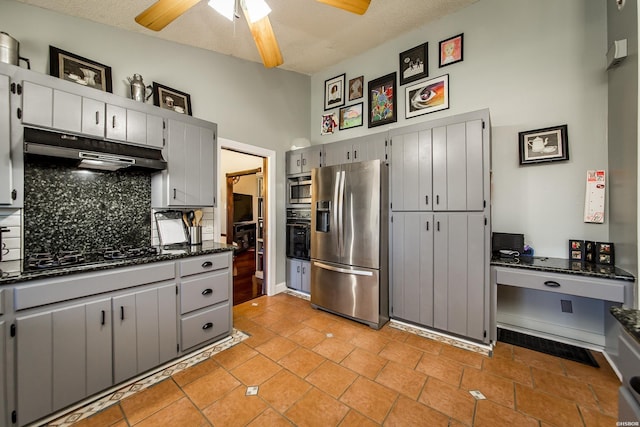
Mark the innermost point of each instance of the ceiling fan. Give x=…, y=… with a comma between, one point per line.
x=163, y=12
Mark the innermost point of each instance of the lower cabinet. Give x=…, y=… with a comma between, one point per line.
x=438, y=271
x=299, y=274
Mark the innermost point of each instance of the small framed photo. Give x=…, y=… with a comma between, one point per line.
x=334, y=92
x=451, y=50
x=356, y=88
x=413, y=64
x=544, y=145
x=589, y=251
x=427, y=97
x=382, y=100
x=329, y=123
x=171, y=99
x=576, y=250
x=351, y=116
x=605, y=253
x=75, y=68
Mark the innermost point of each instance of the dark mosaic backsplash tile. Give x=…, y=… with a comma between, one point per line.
x=68, y=208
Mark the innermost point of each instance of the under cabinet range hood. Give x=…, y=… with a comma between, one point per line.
x=91, y=153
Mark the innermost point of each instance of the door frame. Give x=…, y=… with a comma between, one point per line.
x=270, y=180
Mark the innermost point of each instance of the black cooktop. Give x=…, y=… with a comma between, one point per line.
x=47, y=260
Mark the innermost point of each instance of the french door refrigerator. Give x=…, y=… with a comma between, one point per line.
x=349, y=241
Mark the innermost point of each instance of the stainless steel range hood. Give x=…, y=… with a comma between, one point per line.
x=91, y=153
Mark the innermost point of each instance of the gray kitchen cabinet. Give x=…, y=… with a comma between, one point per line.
x=3, y=374
x=37, y=105
x=155, y=131
x=412, y=267
x=6, y=181
x=136, y=127
x=299, y=275
x=459, y=269
x=67, y=111
x=362, y=149
x=93, y=116
x=303, y=160
x=411, y=186
x=116, y=123
x=144, y=330
x=629, y=392
x=190, y=175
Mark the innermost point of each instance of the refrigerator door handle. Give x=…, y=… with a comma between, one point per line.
x=343, y=270
x=341, y=215
x=336, y=208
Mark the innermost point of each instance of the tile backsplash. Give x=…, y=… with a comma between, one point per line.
x=69, y=208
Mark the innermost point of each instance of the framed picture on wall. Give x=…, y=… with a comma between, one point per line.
x=351, y=116
x=427, y=97
x=544, y=145
x=334, y=92
x=382, y=100
x=451, y=50
x=413, y=64
x=171, y=99
x=75, y=68
x=356, y=88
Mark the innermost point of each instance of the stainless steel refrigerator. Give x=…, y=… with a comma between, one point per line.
x=349, y=241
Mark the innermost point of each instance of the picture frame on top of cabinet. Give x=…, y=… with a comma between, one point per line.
x=351, y=116
x=75, y=68
x=605, y=253
x=382, y=102
x=427, y=97
x=414, y=64
x=171, y=99
x=450, y=50
x=334, y=92
x=544, y=145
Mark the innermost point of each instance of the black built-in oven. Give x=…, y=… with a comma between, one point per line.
x=299, y=233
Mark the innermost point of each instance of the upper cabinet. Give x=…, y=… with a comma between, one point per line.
x=6, y=183
x=47, y=107
x=190, y=176
x=362, y=149
x=303, y=160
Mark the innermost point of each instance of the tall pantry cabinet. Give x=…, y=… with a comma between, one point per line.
x=440, y=227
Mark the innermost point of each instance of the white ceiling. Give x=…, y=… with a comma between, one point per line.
x=312, y=35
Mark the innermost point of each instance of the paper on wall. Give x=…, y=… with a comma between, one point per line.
x=594, y=198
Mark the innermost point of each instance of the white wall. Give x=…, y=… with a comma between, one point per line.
x=534, y=64
x=267, y=108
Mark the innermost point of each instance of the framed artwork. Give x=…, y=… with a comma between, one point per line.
x=427, y=97
x=604, y=253
x=576, y=250
x=451, y=50
x=382, y=100
x=171, y=99
x=329, y=123
x=544, y=145
x=356, y=87
x=351, y=116
x=413, y=64
x=334, y=92
x=75, y=68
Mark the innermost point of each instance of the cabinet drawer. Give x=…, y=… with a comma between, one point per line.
x=602, y=289
x=204, y=326
x=203, y=264
x=203, y=290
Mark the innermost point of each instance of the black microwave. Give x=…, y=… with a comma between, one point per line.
x=299, y=190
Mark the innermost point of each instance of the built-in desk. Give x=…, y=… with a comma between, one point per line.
x=560, y=299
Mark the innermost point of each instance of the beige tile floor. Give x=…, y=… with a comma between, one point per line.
x=316, y=369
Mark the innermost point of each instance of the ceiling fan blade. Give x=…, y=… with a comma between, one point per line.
x=266, y=42
x=354, y=6
x=163, y=12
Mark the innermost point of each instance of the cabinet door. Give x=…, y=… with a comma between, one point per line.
x=207, y=168
x=3, y=378
x=335, y=153
x=136, y=127
x=294, y=162
x=294, y=272
x=93, y=117
x=305, y=276
x=67, y=111
x=167, y=322
x=177, y=163
x=147, y=336
x=6, y=182
x=34, y=367
x=311, y=158
x=37, y=105
x=411, y=180
x=412, y=267
x=369, y=148
x=155, y=131
x=99, y=346
x=69, y=356
x=116, y=123
x=124, y=337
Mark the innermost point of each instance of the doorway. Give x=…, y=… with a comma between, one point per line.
x=242, y=214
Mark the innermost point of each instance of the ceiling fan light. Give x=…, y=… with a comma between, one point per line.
x=225, y=8
x=257, y=9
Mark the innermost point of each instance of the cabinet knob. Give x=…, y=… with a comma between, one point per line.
x=552, y=284
x=207, y=264
x=207, y=326
x=207, y=291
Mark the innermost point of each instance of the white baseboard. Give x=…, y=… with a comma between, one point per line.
x=279, y=288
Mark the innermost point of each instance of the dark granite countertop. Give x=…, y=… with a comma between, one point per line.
x=567, y=266
x=164, y=254
x=629, y=318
